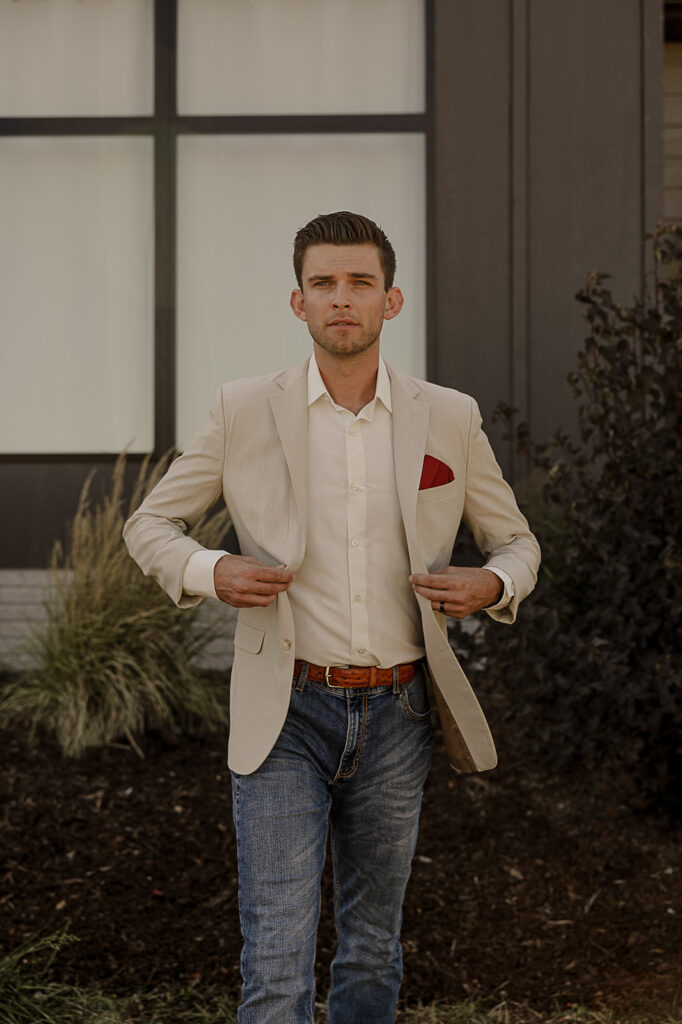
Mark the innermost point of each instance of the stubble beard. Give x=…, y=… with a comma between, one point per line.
x=345, y=347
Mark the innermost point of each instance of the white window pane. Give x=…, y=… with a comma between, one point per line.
x=241, y=200
x=76, y=294
x=300, y=56
x=70, y=58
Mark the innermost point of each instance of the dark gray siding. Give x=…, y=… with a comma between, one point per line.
x=547, y=166
x=471, y=253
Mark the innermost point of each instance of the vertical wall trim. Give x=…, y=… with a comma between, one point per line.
x=519, y=291
x=651, y=121
x=430, y=212
x=165, y=60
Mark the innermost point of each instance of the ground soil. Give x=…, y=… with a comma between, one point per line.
x=527, y=886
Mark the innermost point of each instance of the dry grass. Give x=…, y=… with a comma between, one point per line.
x=115, y=656
x=27, y=997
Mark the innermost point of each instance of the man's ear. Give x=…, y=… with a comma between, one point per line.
x=297, y=304
x=394, y=303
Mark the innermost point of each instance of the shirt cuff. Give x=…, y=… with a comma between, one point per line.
x=197, y=578
x=507, y=593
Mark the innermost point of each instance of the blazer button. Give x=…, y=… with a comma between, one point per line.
x=285, y=644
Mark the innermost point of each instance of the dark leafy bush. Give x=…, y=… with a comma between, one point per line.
x=593, y=668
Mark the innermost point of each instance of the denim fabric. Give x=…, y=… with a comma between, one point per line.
x=352, y=762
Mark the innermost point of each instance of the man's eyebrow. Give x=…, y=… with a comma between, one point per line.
x=351, y=273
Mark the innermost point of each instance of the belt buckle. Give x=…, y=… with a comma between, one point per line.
x=327, y=670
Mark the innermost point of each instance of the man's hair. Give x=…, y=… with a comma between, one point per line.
x=344, y=228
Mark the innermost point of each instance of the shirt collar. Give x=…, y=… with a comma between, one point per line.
x=316, y=386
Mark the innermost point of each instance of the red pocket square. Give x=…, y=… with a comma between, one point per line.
x=434, y=473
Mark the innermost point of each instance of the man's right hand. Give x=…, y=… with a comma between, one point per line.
x=247, y=583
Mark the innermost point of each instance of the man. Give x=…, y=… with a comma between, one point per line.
x=346, y=483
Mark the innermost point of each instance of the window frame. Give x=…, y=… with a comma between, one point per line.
x=164, y=126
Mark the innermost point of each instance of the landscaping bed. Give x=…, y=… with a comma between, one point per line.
x=527, y=886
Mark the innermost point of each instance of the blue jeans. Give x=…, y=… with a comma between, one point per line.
x=354, y=762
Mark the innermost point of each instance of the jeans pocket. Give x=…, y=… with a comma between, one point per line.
x=414, y=698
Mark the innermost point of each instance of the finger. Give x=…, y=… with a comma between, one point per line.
x=247, y=579
x=433, y=594
x=261, y=587
x=429, y=580
x=267, y=574
x=461, y=613
x=251, y=568
x=254, y=588
x=453, y=610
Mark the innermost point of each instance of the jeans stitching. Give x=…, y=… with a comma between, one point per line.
x=409, y=713
x=303, y=677
x=338, y=774
x=358, y=745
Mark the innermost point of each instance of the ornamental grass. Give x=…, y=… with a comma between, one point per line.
x=115, y=656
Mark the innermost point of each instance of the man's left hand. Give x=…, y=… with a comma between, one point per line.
x=461, y=590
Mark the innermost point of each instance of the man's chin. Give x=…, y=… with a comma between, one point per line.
x=345, y=346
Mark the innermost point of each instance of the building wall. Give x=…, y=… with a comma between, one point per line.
x=548, y=165
x=544, y=140
x=672, y=131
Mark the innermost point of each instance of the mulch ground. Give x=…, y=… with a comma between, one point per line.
x=526, y=886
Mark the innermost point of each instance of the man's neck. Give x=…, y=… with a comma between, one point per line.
x=350, y=380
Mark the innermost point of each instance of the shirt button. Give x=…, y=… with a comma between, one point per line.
x=358, y=597
x=353, y=431
x=354, y=543
x=353, y=487
x=361, y=650
x=285, y=644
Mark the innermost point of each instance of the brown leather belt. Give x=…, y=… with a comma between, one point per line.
x=353, y=676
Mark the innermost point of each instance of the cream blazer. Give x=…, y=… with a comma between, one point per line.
x=253, y=451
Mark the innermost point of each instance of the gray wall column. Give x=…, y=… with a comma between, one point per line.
x=547, y=166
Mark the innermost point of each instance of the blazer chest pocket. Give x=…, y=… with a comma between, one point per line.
x=439, y=510
x=249, y=638
x=437, y=493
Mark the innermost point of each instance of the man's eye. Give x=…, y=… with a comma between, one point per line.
x=321, y=284
x=362, y=282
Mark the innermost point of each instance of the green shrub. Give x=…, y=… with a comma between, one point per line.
x=592, y=669
x=115, y=656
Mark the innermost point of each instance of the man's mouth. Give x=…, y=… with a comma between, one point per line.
x=343, y=323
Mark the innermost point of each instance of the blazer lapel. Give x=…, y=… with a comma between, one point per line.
x=410, y=426
x=290, y=410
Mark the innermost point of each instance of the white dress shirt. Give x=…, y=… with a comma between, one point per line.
x=352, y=602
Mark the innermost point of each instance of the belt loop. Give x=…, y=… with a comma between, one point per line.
x=303, y=677
x=396, y=679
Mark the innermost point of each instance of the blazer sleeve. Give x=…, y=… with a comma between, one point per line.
x=498, y=526
x=156, y=534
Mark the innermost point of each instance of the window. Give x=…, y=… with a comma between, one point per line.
x=142, y=232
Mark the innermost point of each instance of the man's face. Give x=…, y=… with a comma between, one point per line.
x=343, y=300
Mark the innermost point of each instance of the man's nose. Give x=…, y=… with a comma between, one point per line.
x=341, y=297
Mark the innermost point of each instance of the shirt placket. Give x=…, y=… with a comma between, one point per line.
x=357, y=541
